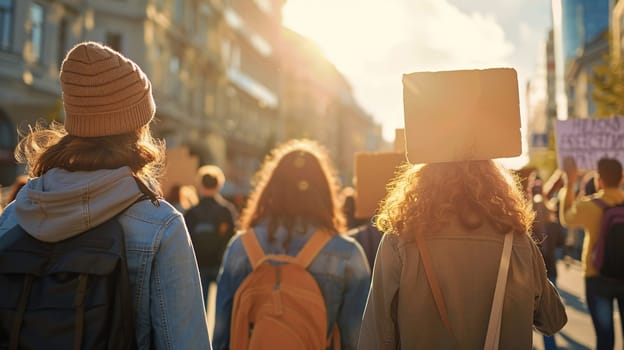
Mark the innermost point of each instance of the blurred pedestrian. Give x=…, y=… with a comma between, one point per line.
x=294, y=205
x=98, y=167
x=444, y=226
x=587, y=212
x=174, y=197
x=17, y=185
x=211, y=224
x=549, y=236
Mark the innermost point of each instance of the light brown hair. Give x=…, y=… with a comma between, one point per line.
x=47, y=147
x=295, y=184
x=426, y=198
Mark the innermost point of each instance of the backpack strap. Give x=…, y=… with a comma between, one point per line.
x=311, y=249
x=21, y=308
x=599, y=202
x=252, y=248
x=492, y=338
x=79, y=299
x=433, y=282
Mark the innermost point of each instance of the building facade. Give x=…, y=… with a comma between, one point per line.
x=318, y=103
x=217, y=70
x=581, y=27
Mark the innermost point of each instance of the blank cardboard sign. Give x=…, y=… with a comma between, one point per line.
x=461, y=115
x=399, y=140
x=373, y=171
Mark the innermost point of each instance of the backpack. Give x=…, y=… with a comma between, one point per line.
x=280, y=306
x=210, y=227
x=608, y=256
x=72, y=294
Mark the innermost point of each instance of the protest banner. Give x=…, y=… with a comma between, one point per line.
x=588, y=140
x=373, y=171
x=461, y=115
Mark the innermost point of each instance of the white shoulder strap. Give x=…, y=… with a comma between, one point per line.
x=492, y=338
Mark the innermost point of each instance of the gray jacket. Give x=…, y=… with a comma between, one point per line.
x=466, y=264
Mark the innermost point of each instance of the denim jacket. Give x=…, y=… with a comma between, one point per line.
x=340, y=269
x=168, y=303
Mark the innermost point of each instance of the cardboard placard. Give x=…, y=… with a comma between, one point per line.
x=180, y=169
x=588, y=140
x=461, y=115
x=373, y=171
x=399, y=140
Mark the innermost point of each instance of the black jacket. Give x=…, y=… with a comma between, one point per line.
x=211, y=225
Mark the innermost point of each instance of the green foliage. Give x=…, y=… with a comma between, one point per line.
x=608, y=88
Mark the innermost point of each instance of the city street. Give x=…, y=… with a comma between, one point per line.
x=578, y=333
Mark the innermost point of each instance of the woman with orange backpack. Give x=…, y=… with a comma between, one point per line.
x=290, y=279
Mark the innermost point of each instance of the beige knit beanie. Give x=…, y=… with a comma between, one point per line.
x=104, y=93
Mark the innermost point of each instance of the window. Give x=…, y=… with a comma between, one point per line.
x=178, y=11
x=173, y=82
x=113, y=40
x=62, y=41
x=36, y=30
x=6, y=24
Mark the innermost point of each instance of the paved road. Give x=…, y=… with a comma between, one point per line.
x=578, y=333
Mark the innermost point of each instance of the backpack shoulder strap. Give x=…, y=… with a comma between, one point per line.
x=311, y=249
x=252, y=248
x=599, y=202
x=438, y=298
x=492, y=338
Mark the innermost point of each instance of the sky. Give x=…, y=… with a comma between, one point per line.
x=374, y=42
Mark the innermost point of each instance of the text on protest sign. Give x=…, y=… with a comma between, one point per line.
x=588, y=140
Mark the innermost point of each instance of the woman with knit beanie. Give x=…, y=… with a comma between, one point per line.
x=98, y=166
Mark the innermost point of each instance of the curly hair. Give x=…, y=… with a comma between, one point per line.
x=296, y=183
x=425, y=198
x=46, y=147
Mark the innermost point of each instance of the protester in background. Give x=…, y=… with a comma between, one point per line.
x=17, y=185
x=296, y=195
x=586, y=211
x=174, y=197
x=347, y=198
x=361, y=229
x=549, y=236
x=211, y=224
x=369, y=237
x=99, y=166
x=463, y=211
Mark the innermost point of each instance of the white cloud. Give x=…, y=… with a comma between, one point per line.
x=374, y=44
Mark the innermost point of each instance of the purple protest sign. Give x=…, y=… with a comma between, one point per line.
x=588, y=140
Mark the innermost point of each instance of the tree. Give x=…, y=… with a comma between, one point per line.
x=608, y=88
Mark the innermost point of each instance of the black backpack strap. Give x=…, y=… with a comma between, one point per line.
x=79, y=304
x=21, y=308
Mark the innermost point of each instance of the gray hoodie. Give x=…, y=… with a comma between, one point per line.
x=61, y=204
x=162, y=267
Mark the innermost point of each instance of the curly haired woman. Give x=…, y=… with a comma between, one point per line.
x=463, y=210
x=296, y=195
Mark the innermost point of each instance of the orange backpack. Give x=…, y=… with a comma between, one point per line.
x=280, y=306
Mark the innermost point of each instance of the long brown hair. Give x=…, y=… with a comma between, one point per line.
x=46, y=147
x=425, y=198
x=295, y=184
